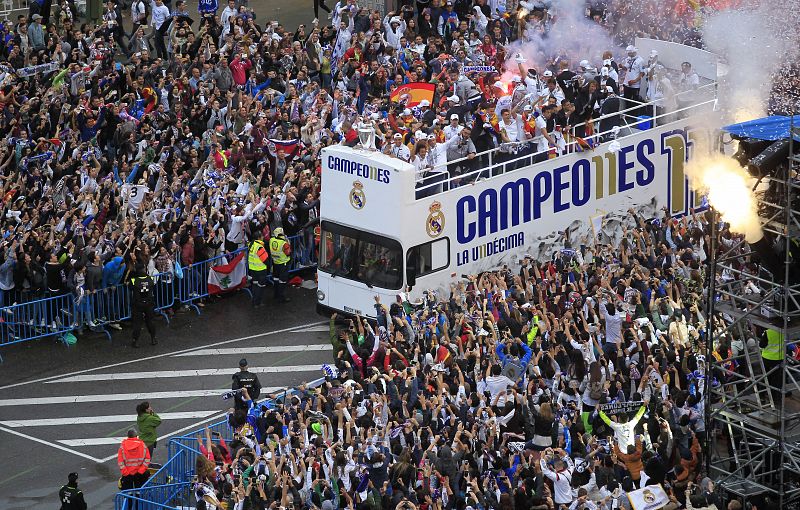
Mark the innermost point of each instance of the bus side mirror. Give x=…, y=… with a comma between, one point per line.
x=411, y=267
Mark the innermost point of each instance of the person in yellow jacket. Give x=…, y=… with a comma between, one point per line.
x=773, y=354
x=257, y=258
x=280, y=253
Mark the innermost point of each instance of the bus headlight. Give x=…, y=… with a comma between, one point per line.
x=320, y=296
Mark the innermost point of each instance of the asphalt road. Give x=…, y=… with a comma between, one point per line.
x=66, y=409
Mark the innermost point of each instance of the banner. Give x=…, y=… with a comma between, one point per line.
x=621, y=407
x=411, y=94
x=48, y=67
x=478, y=69
x=650, y=497
x=230, y=276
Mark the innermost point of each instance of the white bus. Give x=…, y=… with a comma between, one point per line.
x=379, y=239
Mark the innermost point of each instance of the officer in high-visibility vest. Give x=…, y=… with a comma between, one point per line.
x=143, y=305
x=257, y=258
x=773, y=354
x=71, y=496
x=280, y=251
x=133, y=459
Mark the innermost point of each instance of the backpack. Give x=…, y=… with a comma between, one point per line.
x=595, y=390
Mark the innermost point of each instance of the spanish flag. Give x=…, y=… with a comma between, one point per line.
x=410, y=94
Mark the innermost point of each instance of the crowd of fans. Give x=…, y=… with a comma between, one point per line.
x=160, y=136
x=559, y=384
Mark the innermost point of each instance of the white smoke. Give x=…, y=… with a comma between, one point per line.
x=571, y=35
x=753, y=41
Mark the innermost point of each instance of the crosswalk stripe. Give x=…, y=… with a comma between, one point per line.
x=116, y=397
x=184, y=373
x=258, y=350
x=91, y=441
x=82, y=420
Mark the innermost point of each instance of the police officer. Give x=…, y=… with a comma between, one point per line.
x=257, y=258
x=143, y=305
x=280, y=250
x=244, y=379
x=70, y=496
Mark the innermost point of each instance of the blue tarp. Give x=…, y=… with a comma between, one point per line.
x=775, y=127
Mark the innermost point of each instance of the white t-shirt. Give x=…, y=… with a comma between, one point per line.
x=635, y=66
x=158, y=14
x=541, y=141
x=400, y=151
x=512, y=129
x=451, y=131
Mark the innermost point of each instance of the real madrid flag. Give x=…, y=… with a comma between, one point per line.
x=650, y=497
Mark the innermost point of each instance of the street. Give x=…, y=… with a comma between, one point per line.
x=66, y=409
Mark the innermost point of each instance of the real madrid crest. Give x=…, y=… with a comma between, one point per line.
x=648, y=496
x=434, y=225
x=357, y=197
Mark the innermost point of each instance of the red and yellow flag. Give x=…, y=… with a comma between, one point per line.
x=411, y=94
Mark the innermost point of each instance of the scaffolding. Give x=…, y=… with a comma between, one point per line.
x=754, y=445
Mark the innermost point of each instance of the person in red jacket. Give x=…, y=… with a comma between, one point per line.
x=133, y=459
x=239, y=68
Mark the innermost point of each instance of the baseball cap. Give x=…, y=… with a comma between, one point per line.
x=243, y=362
x=454, y=99
x=36, y=16
x=609, y=89
x=516, y=79
x=73, y=477
x=431, y=137
x=548, y=73
x=397, y=135
x=584, y=64
x=498, y=84
x=424, y=102
x=454, y=116
x=528, y=108
x=631, y=48
x=653, y=53
x=407, y=112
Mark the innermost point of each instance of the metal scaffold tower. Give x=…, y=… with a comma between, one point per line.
x=752, y=401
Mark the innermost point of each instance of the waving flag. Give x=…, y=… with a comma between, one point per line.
x=411, y=94
x=290, y=147
x=230, y=276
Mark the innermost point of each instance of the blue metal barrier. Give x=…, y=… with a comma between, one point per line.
x=164, y=293
x=57, y=315
x=52, y=316
x=171, y=485
x=156, y=497
x=104, y=307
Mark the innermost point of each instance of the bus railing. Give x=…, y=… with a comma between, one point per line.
x=502, y=159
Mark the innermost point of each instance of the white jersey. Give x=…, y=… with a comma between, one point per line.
x=635, y=69
x=134, y=194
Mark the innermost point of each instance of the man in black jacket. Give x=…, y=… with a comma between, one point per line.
x=247, y=380
x=70, y=496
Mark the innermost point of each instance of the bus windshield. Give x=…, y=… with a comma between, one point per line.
x=361, y=256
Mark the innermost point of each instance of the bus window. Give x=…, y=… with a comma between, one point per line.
x=361, y=256
x=430, y=257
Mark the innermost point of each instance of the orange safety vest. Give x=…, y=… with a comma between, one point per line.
x=133, y=456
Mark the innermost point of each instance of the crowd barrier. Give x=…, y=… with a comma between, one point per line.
x=60, y=316
x=171, y=486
